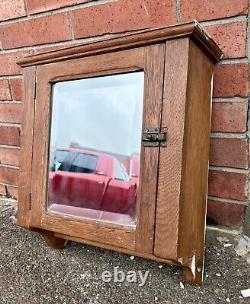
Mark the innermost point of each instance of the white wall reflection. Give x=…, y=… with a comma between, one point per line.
x=102, y=113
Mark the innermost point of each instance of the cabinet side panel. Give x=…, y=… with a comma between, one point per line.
x=195, y=163
x=170, y=162
x=26, y=146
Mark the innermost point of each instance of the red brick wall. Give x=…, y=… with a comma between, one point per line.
x=32, y=26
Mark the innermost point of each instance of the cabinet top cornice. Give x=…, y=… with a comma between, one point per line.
x=193, y=30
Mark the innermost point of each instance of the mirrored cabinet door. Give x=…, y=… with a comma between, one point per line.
x=95, y=178
x=95, y=146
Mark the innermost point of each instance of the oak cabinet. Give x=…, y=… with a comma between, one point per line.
x=115, y=144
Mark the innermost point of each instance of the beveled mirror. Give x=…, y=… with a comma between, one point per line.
x=95, y=145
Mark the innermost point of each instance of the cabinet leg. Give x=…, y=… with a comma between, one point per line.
x=52, y=241
x=192, y=277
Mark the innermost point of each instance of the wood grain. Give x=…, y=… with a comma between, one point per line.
x=153, y=92
x=183, y=174
x=115, y=248
x=40, y=150
x=91, y=230
x=46, y=75
x=130, y=60
x=170, y=163
x=195, y=163
x=26, y=152
x=51, y=240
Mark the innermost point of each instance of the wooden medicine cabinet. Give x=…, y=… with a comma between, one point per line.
x=115, y=144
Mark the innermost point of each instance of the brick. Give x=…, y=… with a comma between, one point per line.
x=213, y=9
x=228, y=185
x=16, y=89
x=121, y=16
x=229, y=152
x=8, y=63
x=9, y=156
x=9, y=136
x=4, y=90
x=10, y=112
x=9, y=175
x=225, y=214
x=231, y=80
x=38, y=6
x=10, y=9
x=229, y=117
x=231, y=38
x=37, y=31
x=9, y=191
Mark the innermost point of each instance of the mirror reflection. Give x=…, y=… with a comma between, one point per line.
x=95, y=143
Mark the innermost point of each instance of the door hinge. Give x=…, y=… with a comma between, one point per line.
x=30, y=200
x=154, y=137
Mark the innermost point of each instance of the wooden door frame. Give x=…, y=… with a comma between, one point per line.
x=150, y=59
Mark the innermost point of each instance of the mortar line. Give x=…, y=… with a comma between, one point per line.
x=48, y=13
x=13, y=101
x=10, y=147
x=239, y=60
x=6, y=184
x=228, y=169
x=178, y=10
x=228, y=135
x=10, y=89
x=25, y=7
x=71, y=26
x=66, y=43
x=228, y=200
x=10, y=124
x=225, y=230
x=230, y=99
x=225, y=20
x=11, y=77
x=9, y=166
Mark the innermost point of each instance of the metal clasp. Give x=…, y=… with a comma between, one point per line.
x=154, y=137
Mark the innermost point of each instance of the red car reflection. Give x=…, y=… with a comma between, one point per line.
x=89, y=179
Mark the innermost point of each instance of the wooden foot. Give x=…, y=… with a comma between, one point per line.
x=52, y=241
x=193, y=277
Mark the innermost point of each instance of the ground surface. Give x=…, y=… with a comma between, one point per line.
x=31, y=273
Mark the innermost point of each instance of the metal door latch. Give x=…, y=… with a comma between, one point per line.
x=154, y=137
